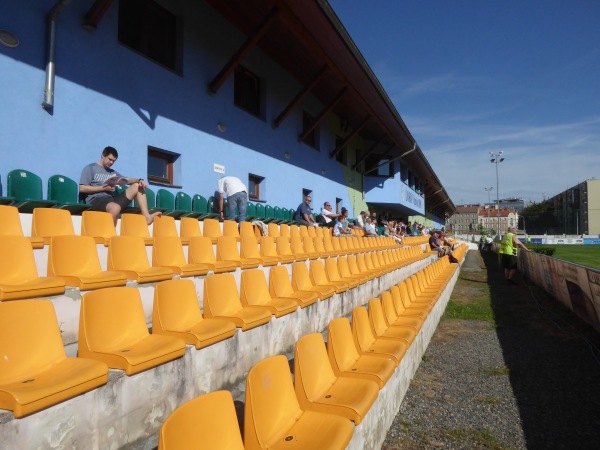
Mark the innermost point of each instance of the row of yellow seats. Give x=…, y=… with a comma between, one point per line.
x=333, y=385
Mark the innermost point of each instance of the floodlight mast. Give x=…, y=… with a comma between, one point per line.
x=497, y=158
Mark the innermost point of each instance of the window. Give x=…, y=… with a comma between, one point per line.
x=161, y=166
x=148, y=28
x=383, y=169
x=254, y=186
x=340, y=156
x=312, y=137
x=246, y=91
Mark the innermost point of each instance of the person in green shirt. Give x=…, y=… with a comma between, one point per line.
x=508, y=253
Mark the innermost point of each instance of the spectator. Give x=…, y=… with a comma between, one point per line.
x=341, y=229
x=435, y=244
x=303, y=214
x=360, y=220
x=99, y=180
x=237, y=196
x=328, y=216
x=370, y=229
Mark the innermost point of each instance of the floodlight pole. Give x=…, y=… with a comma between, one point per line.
x=489, y=201
x=497, y=158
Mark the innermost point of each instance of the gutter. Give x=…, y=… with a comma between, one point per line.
x=48, y=102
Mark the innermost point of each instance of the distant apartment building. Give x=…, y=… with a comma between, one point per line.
x=464, y=220
x=489, y=219
x=577, y=210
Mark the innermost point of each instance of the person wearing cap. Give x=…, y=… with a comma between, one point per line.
x=508, y=254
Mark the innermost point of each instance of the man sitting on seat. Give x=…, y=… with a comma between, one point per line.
x=303, y=215
x=328, y=215
x=96, y=182
x=435, y=244
x=370, y=229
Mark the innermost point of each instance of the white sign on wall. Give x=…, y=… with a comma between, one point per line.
x=218, y=168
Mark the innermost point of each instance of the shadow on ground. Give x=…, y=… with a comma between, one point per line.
x=554, y=363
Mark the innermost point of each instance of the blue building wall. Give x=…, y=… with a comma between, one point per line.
x=107, y=94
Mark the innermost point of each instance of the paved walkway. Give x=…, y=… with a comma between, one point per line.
x=531, y=381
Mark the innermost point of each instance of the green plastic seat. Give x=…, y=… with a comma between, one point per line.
x=251, y=211
x=5, y=200
x=65, y=191
x=260, y=211
x=200, y=206
x=26, y=187
x=151, y=199
x=210, y=208
x=183, y=202
x=166, y=200
x=269, y=214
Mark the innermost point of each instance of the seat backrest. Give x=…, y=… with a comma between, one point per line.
x=341, y=348
x=284, y=230
x=30, y=340
x=300, y=277
x=189, y=227
x=176, y=305
x=48, y=222
x=247, y=229
x=376, y=317
x=297, y=247
x=387, y=305
x=267, y=246
x=211, y=228
x=127, y=253
x=269, y=213
x=404, y=295
x=311, y=232
x=273, y=230
x=319, y=232
x=73, y=256
x=271, y=404
x=183, y=202
x=279, y=282
x=10, y=221
x=134, y=225
x=312, y=370
x=303, y=230
x=283, y=246
x=253, y=288
x=260, y=211
x=200, y=250
x=221, y=296
x=17, y=263
x=333, y=272
x=227, y=249
x=251, y=210
x=361, y=328
x=343, y=268
x=318, y=275
x=97, y=224
x=294, y=230
x=165, y=199
x=24, y=185
x=164, y=226
x=249, y=248
x=199, y=204
x=230, y=228
x=62, y=189
x=208, y=421
x=168, y=251
x=110, y=318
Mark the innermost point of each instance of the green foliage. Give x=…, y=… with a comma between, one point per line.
x=543, y=250
x=539, y=218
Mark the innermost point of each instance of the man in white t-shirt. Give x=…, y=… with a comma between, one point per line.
x=328, y=215
x=370, y=229
x=237, y=197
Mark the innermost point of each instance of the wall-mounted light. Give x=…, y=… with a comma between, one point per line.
x=287, y=155
x=221, y=127
x=8, y=39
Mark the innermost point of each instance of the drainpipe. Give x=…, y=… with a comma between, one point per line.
x=48, y=103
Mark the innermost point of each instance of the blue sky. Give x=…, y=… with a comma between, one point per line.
x=473, y=77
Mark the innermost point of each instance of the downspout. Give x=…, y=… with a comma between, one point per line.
x=48, y=103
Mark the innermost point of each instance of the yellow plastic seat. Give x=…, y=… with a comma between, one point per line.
x=319, y=389
x=49, y=222
x=230, y=228
x=273, y=230
x=165, y=226
x=382, y=329
x=247, y=229
x=294, y=231
x=208, y=422
x=254, y=291
x=297, y=249
x=284, y=251
x=200, y=251
x=284, y=230
x=249, y=251
x=355, y=270
x=127, y=254
x=366, y=342
x=135, y=225
x=311, y=231
x=274, y=420
x=401, y=310
x=112, y=329
x=168, y=252
x=345, y=359
x=75, y=260
x=333, y=273
x=309, y=247
x=318, y=277
x=35, y=372
x=346, y=273
x=268, y=250
x=227, y=250
x=302, y=230
x=10, y=225
x=176, y=312
x=320, y=247
x=337, y=247
x=392, y=317
x=280, y=286
x=221, y=300
x=328, y=245
x=301, y=282
x=211, y=228
x=410, y=308
x=189, y=227
x=99, y=225
x=18, y=272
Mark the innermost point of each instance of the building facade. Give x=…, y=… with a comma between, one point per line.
x=577, y=209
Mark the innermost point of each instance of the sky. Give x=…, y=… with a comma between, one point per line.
x=480, y=76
